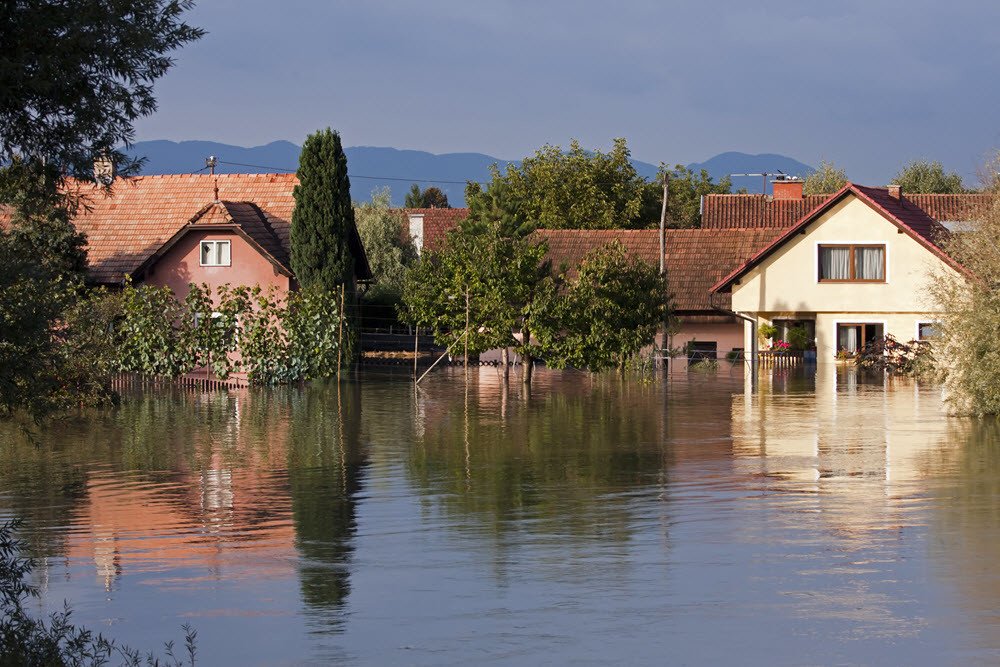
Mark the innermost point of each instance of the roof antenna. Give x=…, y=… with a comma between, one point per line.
x=210, y=162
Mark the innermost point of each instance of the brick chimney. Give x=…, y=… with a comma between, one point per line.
x=895, y=191
x=788, y=188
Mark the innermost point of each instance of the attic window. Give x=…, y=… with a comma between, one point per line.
x=215, y=253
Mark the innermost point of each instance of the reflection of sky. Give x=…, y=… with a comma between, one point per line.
x=790, y=526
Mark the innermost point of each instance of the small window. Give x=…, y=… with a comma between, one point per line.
x=215, y=253
x=852, y=263
x=927, y=330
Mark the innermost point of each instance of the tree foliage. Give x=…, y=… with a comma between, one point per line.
x=574, y=189
x=969, y=327
x=238, y=329
x=432, y=197
x=323, y=215
x=486, y=268
x=685, y=190
x=824, y=181
x=77, y=75
x=606, y=314
x=387, y=243
x=928, y=177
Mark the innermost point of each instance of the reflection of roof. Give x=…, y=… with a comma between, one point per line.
x=141, y=214
x=763, y=211
x=438, y=222
x=695, y=258
x=904, y=214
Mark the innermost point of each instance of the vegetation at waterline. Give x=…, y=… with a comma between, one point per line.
x=238, y=329
x=323, y=215
x=76, y=77
x=968, y=328
x=492, y=286
x=55, y=640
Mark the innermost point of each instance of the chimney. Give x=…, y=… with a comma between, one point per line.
x=788, y=188
x=104, y=169
x=895, y=191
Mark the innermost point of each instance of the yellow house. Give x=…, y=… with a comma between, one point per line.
x=854, y=269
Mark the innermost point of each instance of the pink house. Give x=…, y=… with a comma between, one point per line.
x=179, y=229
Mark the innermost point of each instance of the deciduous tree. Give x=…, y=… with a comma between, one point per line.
x=824, y=181
x=432, y=197
x=388, y=246
x=928, y=177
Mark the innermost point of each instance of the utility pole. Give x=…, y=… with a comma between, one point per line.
x=466, y=327
x=340, y=333
x=663, y=222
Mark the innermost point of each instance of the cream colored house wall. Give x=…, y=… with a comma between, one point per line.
x=787, y=286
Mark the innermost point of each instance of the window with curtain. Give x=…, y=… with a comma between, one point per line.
x=852, y=263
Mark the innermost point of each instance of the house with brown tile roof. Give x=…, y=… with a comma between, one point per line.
x=176, y=229
x=850, y=271
x=788, y=205
x=428, y=226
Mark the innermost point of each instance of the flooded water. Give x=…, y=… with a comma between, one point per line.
x=830, y=519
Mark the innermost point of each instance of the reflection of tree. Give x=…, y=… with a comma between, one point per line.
x=966, y=532
x=325, y=466
x=561, y=459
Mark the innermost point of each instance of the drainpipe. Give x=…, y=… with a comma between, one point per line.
x=753, y=338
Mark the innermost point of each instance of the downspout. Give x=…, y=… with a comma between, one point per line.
x=753, y=337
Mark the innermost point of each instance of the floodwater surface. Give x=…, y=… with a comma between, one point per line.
x=828, y=519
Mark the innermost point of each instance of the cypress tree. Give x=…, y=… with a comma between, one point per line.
x=323, y=215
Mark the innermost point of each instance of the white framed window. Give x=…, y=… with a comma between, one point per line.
x=927, y=330
x=216, y=253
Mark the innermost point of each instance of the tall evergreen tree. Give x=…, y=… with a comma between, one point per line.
x=323, y=215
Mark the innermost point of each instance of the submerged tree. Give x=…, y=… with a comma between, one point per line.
x=607, y=313
x=966, y=343
x=323, y=215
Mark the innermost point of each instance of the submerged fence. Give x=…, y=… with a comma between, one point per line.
x=131, y=381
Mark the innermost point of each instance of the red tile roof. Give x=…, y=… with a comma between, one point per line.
x=906, y=215
x=251, y=220
x=721, y=211
x=695, y=258
x=141, y=214
x=438, y=222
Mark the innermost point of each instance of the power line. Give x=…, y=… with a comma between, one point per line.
x=350, y=175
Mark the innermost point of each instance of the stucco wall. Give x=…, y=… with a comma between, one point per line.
x=787, y=285
x=788, y=281
x=180, y=265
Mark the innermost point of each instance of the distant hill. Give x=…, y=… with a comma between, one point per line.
x=373, y=167
x=724, y=164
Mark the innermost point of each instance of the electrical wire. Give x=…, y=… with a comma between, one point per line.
x=350, y=175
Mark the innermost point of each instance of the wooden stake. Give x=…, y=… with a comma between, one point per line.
x=416, y=349
x=467, y=327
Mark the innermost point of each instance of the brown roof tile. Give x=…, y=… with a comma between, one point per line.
x=142, y=213
x=438, y=222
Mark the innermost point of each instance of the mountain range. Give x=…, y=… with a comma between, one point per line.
x=374, y=167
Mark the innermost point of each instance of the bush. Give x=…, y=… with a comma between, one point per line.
x=798, y=338
x=767, y=331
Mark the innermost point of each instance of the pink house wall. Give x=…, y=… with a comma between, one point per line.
x=727, y=335
x=181, y=265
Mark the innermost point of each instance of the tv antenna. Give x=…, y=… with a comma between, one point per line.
x=778, y=176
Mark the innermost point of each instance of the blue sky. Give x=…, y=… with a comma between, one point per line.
x=866, y=84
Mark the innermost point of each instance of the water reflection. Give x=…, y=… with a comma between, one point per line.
x=594, y=518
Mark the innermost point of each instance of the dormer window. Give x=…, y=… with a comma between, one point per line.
x=849, y=263
x=215, y=253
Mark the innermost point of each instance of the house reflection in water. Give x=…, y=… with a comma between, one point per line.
x=848, y=441
x=265, y=490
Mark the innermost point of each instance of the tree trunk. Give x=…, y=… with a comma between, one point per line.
x=505, y=360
